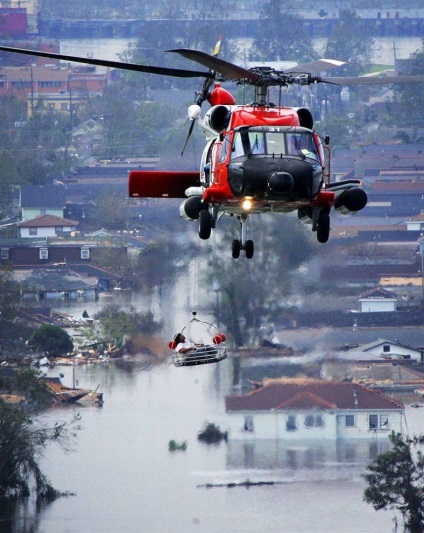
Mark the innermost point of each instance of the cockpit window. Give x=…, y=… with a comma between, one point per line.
x=257, y=143
x=274, y=143
x=237, y=149
x=302, y=144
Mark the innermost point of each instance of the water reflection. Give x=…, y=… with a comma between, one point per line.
x=338, y=459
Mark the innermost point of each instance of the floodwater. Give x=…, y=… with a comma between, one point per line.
x=126, y=480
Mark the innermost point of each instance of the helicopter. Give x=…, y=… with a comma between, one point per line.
x=259, y=157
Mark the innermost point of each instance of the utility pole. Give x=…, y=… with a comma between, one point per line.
x=422, y=271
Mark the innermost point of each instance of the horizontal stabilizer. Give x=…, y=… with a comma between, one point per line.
x=161, y=184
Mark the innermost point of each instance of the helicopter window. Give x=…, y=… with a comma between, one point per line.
x=302, y=144
x=237, y=149
x=257, y=144
x=224, y=150
x=275, y=143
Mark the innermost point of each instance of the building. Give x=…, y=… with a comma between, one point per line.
x=415, y=223
x=37, y=200
x=313, y=410
x=37, y=82
x=32, y=8
x=55, y=284
x=46, y=226
x=379, y=375
x=38, y=252
x=381, y=349
x=378, y=300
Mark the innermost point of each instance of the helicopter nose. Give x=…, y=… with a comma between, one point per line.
x=280, y=182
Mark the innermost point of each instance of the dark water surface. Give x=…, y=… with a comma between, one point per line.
x=127, y=481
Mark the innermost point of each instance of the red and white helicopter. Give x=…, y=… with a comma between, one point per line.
x=258, y=158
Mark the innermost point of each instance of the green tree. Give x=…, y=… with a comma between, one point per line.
x=8, y=177
x=51, y=339
x=251, y=291
x=281, y=36
x=9, y=330
x=115, y=323
x=111, y=212
x=396, y=481
x=161, y=262
x=22, y=441
x=26, y=382
x=349, y=42
x=409, y=97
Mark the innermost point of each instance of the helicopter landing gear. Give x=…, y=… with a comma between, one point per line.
x=323, y=226
x=243, y=244
x=205, y=224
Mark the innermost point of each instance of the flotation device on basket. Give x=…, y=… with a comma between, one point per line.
x=212, y=349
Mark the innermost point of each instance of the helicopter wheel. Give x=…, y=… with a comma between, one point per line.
x=236, y=247
x=205, y=224
x=249, y=248
x=323, y=228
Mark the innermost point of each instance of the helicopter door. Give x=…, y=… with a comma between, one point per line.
x=206, y=164
x=215, y=162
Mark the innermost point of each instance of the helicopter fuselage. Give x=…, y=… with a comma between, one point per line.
x=260, y=154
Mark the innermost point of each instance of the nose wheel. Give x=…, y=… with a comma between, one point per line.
x=242, y=244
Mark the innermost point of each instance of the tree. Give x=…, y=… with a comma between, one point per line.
x=251, y=291
x=21, y=443
x=51, y=339
x=10, y=331
x=396, y=481
x=349, y=42
x=115, y=322
x=409, y=97
x=281, y=36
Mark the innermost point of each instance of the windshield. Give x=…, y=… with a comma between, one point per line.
x=275, y=143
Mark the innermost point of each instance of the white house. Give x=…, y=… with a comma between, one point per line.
x=378, y=350
x=378, y=300
x=37, y=200
x=312, y=410
x=385, y=349
x=415, y=223
x=46, y=226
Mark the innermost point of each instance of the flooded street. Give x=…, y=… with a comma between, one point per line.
x=126, y=480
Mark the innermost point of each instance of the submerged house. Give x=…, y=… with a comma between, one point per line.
x=378, y=300
x=313, y=410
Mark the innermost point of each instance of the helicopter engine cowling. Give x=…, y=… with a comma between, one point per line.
x=306, y=120
x=280, y=182
x=190, y=208
x=351, y=200
x=217, y=118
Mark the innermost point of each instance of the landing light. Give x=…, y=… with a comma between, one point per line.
x=247, y=204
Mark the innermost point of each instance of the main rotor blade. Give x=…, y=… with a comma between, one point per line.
x=229, y=70
x=315, y=67
x=178, y=73
x=373, y=80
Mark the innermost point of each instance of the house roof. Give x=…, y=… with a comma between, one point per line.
x=376, y=373
x=378, y=293
x=43, y=196
x=416, y=218
x=47, y=221
x=381, y=342
x=324, y=395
